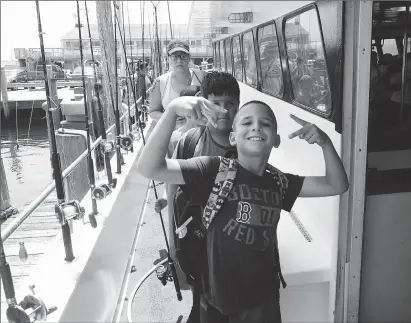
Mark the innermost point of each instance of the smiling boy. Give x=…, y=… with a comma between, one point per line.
x=243, y=274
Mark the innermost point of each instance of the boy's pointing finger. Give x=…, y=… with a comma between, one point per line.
x=298, y=120
x=300, y=131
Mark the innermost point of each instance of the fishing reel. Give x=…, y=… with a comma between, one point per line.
x=101, y=191
x=164, y=274
x=30, y=309
x=107, y=146
x=126, y=141
x=71, y=210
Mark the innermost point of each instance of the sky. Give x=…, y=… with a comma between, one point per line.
x=19, y=26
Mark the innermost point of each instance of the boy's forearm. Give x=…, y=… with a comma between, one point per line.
x=154, y=153
x=155, y=115
x=335, y=173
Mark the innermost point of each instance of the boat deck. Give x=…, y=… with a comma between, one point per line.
x=36, y=232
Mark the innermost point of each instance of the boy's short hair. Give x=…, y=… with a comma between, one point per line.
x=273, y=117
x=220, y=83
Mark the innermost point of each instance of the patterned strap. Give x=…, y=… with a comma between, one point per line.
x=282, y=181
x=223, y=184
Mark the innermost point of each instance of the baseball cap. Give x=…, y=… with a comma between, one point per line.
x=177, y=45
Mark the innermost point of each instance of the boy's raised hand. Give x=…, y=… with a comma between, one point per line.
x=309, y=132
x=198, y=109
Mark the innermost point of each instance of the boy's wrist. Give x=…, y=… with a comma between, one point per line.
x=327, y=143
x=171, y=111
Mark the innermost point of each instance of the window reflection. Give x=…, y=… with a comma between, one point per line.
x=306, y=62
x=238, y=65
x=249, y=59
x=222, y=56
x=272, y=80
x=228, y=56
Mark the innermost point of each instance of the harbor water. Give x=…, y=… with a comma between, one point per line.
x=26, y=157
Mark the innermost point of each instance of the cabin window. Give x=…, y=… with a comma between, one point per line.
x=306, y=62
x=68, y=44
x=129, y=43
x=198, y=42
x=238, y=64
x=222, y=55
x=271, y=73
x=228, y=56
x=250, y=67
x=192, y=42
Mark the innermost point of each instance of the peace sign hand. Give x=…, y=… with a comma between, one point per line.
x=198, y=109
x=309, y=132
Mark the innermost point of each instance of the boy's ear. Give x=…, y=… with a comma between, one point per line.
x=232, y=140
x=277, y=141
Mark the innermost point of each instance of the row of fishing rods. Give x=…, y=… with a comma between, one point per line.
x=32, y=308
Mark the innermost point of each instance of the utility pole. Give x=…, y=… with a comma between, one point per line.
x=106, y=36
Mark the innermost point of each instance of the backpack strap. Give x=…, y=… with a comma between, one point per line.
x=281, y=179
x=186, y=150
x=223, y=184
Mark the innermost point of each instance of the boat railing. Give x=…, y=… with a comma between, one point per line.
x=21, y=217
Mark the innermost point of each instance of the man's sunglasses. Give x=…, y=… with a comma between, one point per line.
x=183, y=57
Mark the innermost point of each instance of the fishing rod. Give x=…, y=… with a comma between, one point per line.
x=137, y=112
x=144, y=107
x=65, y=211
x=128, y=81
x=170, y=261
x=90, y=166
x=160, y=69
x=141, y=124
x=116, y=112
x=107, y=146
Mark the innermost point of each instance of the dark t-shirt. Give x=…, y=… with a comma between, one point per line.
x=241, y=264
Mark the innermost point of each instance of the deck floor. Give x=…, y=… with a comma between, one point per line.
x=36, y=232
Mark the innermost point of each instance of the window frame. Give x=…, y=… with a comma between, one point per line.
x=286, y=18
x=281, y=94
x=242, y=56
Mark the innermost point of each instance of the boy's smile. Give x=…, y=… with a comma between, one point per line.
x=254, y=129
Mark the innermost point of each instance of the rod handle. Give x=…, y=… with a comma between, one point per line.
x=175, y=279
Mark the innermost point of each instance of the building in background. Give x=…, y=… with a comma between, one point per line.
x=69, y=52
